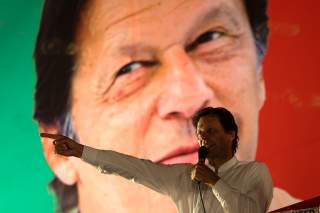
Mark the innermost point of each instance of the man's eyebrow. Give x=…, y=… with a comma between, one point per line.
x=134, y=49
x=142, y=10
x=222, y=12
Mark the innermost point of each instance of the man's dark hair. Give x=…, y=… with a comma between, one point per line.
x=55, y=61
x=225, y=118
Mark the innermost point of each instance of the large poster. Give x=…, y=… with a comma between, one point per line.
x=129, y=75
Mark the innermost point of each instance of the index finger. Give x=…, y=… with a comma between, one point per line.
x=49, y=135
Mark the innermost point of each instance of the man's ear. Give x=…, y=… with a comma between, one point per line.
x=261, y=87
x=63, y=167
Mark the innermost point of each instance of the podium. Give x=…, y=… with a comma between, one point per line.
x=307, y=206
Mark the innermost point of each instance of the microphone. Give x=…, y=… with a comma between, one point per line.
x=202, y=154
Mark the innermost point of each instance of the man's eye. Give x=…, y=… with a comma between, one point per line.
x=134, y=65
x=208, y=36
x=205, y=37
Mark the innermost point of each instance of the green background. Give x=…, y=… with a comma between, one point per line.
x=24, y=172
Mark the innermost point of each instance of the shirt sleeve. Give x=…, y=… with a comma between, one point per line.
x=255, y=199
x=159, y=177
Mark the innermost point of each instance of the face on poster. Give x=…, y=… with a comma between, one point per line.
x=141, y=70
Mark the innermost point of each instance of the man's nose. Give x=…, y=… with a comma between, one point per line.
x=184, y=90
x=202, y=135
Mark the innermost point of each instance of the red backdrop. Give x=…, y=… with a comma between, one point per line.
x=289, y=126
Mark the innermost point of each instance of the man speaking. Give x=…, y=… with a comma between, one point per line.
x=220, y=184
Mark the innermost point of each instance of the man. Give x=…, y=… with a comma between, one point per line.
x=128, y=76
x=230, y=186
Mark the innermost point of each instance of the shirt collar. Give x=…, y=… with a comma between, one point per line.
x=226, y=166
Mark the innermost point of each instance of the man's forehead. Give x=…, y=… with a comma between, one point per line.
x=207, y=120
x=113, y=12
x=104, y=15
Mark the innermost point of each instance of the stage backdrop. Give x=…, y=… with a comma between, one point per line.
x=289, y=129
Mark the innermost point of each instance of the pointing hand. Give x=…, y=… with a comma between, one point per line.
x=64, y=145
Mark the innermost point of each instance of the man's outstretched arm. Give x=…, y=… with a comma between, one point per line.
x=159, y=177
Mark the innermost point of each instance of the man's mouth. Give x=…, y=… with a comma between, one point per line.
x=187, y=154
